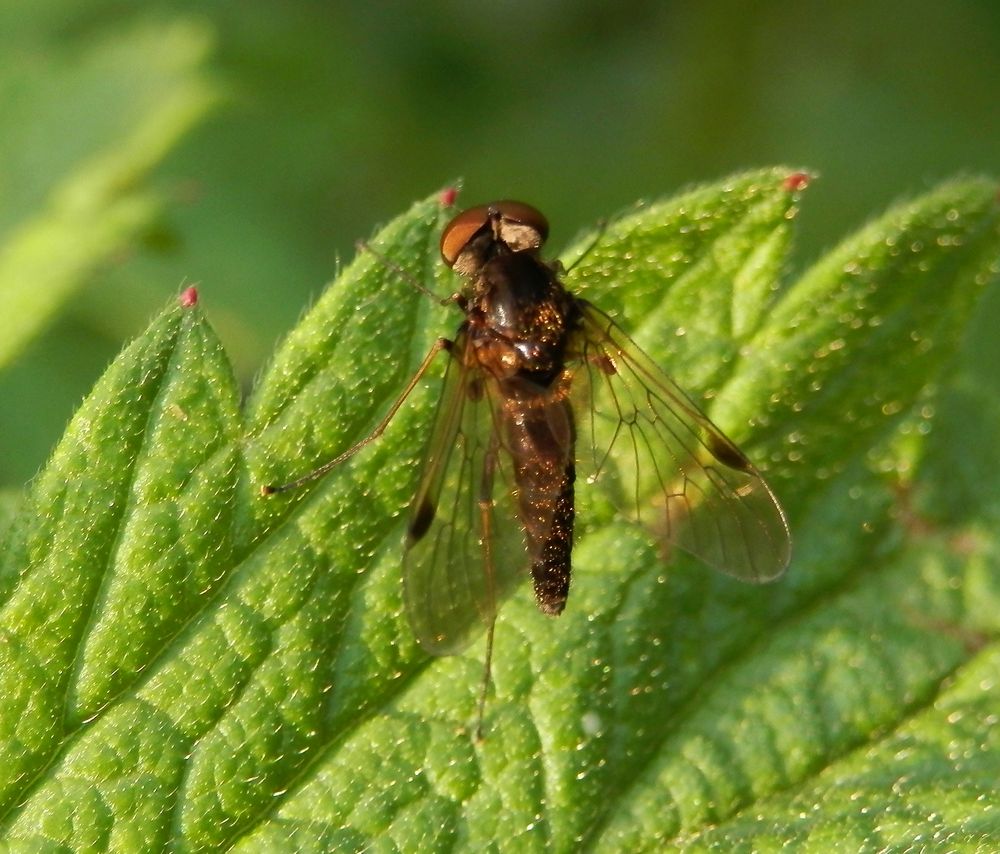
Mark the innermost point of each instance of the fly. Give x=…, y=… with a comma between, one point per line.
x=542, y=391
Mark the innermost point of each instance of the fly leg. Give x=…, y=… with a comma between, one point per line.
x=438, y=346
x=486, y=524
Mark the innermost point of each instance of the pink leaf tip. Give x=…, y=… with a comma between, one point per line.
x=797, y=181
x=188, y=297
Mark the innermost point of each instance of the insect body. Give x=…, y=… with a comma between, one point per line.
x=512, y=350
x=543, y=390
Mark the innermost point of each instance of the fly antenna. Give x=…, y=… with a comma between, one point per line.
x=405, y=275
x=602, y=226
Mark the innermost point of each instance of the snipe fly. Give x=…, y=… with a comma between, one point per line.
x=543, y=391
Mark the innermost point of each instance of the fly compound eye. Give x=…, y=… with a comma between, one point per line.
x=516, y=224
x=519, y=217
x=462, y=228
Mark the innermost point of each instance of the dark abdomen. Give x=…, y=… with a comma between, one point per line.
x=541, y=437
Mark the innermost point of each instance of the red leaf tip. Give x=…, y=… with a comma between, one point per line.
x=188, y=297
x=797, y=181
x=448, y=196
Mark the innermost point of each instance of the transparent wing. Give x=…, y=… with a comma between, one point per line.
x=465, y=549
x=679, y=474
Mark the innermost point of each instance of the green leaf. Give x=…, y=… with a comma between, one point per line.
x=189, y=664
x=721, y=248
x=107, y=118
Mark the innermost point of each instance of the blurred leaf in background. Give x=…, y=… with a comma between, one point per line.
x=80, y=130
x=77, y=140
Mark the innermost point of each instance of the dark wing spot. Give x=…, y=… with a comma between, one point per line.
x=604, y=364
x=727, y=453
x=475, y=389
x=421, y=521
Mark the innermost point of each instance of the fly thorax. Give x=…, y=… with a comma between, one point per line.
x=519, y=321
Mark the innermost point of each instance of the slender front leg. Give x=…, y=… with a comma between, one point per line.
x=438, y=346
x=486, y=526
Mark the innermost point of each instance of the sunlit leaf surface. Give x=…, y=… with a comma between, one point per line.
x=186, y=664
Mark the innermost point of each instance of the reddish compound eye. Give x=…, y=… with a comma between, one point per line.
x=470, y=222
x=460, y=231
x=522, y=214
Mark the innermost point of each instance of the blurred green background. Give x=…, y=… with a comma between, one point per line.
x=305, y=124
